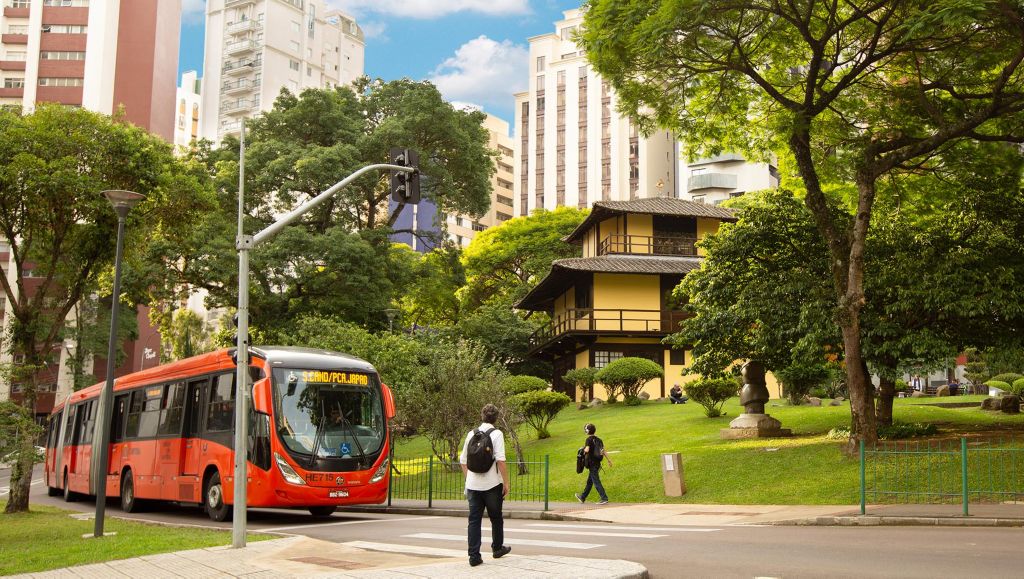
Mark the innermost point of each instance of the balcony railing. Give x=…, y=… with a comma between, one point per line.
x=242, y=26
x=238, y=106
x=242, y=66
x=608, y=321
x=239, y=46
x=240, y=85
x=648, y=245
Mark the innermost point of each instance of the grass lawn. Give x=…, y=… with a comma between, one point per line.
x=805, y=469
x=47, y=538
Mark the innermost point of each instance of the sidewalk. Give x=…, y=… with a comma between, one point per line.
x=684, y=514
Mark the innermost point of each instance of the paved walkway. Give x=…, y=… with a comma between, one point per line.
x=306, y=557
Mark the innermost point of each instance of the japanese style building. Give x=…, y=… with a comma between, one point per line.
x=615, y=300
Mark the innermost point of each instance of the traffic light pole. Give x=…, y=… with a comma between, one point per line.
x=244, y=244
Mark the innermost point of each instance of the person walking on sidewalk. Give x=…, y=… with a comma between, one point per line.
x=594, y=453
x=483, y=464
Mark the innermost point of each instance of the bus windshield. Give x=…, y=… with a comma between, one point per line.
x=329, y=413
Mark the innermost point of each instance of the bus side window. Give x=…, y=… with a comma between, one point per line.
x=221, y=410
x=173, y=405
x=72, y=438
x=118, y=419
x=131, y=428
x=86, y=424
x=150, y=418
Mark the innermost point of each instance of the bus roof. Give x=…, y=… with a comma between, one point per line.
x=276, y=356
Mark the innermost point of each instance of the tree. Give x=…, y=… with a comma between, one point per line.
x=54, y=163
x=711, y=393
x=799, y=378
x=582, y=378
x=188, y=335
x=539, y=407
x=504, y=333
x=508, y=260
x=627, y=376
x=856, y=91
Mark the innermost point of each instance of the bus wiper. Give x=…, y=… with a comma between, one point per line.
x=355, y=438
x=318, y=436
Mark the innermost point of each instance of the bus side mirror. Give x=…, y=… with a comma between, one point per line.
x=261, y=401
x=389, y=401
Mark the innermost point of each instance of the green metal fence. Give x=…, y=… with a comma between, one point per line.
x=943, y=471
x=429, y=479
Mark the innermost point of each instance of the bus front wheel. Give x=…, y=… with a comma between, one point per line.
x=214, y=498
x=129, y=502
x=69, y=495
x=322, y=511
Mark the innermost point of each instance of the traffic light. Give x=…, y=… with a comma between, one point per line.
x=405, y=187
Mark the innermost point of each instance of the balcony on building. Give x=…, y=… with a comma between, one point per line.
x=237, y=86
x=14, y=38
x=241, y=66
x=237, y=2
x=578, y=326
x=229, y=128
x=17, y=8
x=711, y=181
x=242, y=26
x=238, y=106
x=681, y=245
x=239, y=47
x=12, y=65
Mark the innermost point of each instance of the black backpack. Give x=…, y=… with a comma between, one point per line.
x=480, y=451
x=581, y=458
x=596, y=452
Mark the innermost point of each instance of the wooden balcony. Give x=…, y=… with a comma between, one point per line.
x=574, y=323
x=680, y=246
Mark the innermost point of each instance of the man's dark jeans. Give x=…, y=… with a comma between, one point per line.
x=594, y=480
x=478, y=501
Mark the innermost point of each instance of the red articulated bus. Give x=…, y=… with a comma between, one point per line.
x=318, y=435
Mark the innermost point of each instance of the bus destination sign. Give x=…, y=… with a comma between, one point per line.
x=330, y=377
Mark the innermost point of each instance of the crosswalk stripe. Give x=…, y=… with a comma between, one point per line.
x=583, y=533
x=411, y=549
x=624, y=528
x=508, y=541
x=5, y=490
x=357, y=522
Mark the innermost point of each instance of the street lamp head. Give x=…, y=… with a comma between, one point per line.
x=122, y=201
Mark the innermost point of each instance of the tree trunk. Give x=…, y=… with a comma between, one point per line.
x=21, y=475
x=520, y=460
x=886, y=393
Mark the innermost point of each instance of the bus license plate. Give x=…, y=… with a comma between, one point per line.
x=337, y=494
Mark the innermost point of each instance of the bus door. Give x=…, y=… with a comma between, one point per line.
x=192, y=451
x=170, y=442
x=117, y=447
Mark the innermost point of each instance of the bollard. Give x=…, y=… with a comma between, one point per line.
x=672, y=474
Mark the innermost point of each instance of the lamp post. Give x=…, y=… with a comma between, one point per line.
x=122, y=201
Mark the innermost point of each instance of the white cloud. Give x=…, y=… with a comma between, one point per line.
x=483, y=72
x=193, y=10
x=374, y=29
x=428, y=9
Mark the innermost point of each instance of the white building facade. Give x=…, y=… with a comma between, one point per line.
x=571, y=146
x=187, y=114
x=254, y=48
x=717, y=179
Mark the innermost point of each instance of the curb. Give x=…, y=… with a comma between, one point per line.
x=891, y=521
x=448, y=512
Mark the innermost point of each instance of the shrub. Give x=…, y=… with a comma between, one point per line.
x=627, y=376
x=894, y=431
x=997, y=384
x=819, y=392
x=539, y=408
x=711, y=393
x=582, y=379
x=520, y=384
x=1008, y=377
x=798, y=379
x=1017, y=387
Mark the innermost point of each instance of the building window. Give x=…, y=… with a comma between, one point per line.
x=503, y=216
x=604, y=357
x=309, y=70
x=540, y=64
x=64, y=29
x=293, y=64
x=15, y=56
x=22, y=3
x=294, y=46
x=698, y=170
x=14, y=83
x=567, y=32
x=17, y=29
x=560, y=78
x=61, y=55
x=60, y=81
x=295, y=26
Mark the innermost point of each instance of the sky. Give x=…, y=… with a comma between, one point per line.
x=475, y=51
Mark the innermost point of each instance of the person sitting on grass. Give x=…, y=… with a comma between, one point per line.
x=676, y=396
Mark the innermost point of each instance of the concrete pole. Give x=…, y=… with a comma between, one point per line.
x=243, y=243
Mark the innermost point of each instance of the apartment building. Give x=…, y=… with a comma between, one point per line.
x=425, y=220
x=571, y=145
x=717, y=179
x=187, y=113
x=106, y=56
x=254, y=48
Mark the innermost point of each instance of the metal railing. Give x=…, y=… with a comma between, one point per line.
x=944, y=472
x=648, y=245
x=608, y=321
x=429, y=479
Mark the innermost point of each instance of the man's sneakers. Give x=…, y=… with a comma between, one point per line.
x=602, y=502
x=504, y=550
x=579, y=498
x=475, y=562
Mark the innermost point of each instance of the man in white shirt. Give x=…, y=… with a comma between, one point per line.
x=487, y=489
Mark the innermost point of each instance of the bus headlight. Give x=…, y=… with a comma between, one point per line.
x=287, y=471
x=381, y=471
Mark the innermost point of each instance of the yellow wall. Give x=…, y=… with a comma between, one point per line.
x=639, y=227
x=705, y=227
x=616, y=291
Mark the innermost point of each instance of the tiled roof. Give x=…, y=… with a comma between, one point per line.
x=564, y=272
x=650, y=206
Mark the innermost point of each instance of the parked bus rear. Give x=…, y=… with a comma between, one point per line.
x=318, y=435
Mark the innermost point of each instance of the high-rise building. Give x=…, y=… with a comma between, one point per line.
x=254, y=48
x=108, y=56
x=461, y=229
x=187, y=112
x=98, y=54
x=572, y=147
x=717, y=179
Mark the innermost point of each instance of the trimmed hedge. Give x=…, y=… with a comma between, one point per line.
x=627, y=376
x=711, y=393
x=997, y=384
x=1008, y=377
x=1017, y=387
x=539, y=407
x=519, y=384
